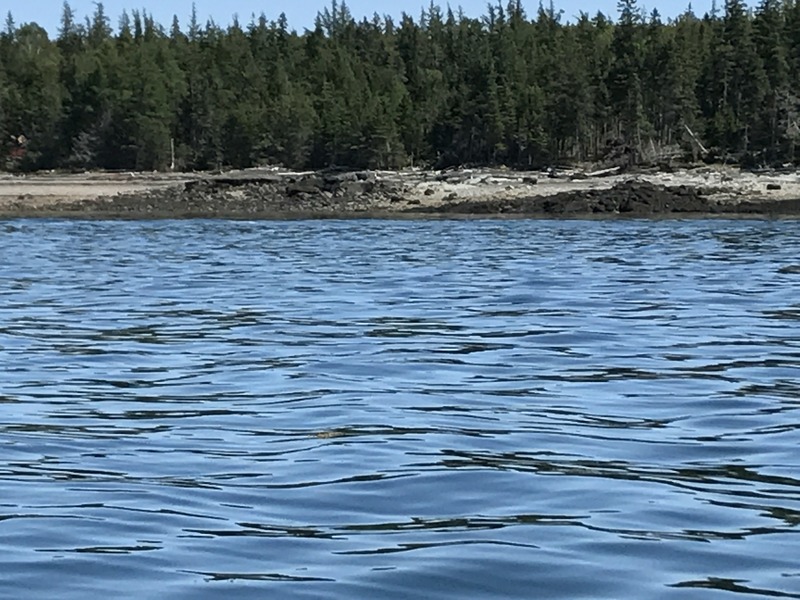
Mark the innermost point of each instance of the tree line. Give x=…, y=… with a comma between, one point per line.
x=439, y=90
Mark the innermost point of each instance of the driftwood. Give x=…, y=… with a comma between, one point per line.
x=696, y=141
x=604, y=172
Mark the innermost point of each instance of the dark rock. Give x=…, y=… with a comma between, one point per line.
x=629, y=198
x=337, y=178
x=296, y=189
x=336, y=193
x=773, y=186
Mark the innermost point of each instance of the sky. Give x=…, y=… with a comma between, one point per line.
x=300, y=13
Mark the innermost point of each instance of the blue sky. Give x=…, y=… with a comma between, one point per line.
x=299, y=12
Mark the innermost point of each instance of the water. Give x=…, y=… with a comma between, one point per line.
x=376, y=409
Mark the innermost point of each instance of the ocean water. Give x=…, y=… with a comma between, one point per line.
x=392, y=409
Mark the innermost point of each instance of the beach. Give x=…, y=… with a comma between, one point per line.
x=277, y=193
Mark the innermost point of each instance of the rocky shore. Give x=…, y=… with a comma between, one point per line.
x=272, y=193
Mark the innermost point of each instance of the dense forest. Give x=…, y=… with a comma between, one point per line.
x=440, y=89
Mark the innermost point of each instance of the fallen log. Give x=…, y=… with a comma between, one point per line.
x=604, y=172
x=696, y=141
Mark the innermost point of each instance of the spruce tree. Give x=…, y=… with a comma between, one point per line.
x=770, y=32
x=625, y=76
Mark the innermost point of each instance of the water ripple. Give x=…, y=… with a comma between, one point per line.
x=391, y=409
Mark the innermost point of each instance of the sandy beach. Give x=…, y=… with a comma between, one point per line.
x=44, y=190
x=277, y=193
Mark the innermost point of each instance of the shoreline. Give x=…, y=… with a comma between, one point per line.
x=271, y=193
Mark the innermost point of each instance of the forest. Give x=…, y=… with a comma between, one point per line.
x=435, y=90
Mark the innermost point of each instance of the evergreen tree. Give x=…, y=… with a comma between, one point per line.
x=33, y=93
x=688, y=52
x=438, y=90
x=736, y=81
x=625, y=77
x=769, y=32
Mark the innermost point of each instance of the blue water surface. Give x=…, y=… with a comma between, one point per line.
x=394, y=409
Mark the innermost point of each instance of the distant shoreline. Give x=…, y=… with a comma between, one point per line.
x=272, y=193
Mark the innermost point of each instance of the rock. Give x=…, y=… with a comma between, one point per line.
x=296, y=189
x=631, y=198
x=353, y=188
x=336, y=178
x=344, y=193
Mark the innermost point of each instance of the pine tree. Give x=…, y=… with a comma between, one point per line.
x=769, y=33
x=688, y=52
x=625, y=77
x=736, y=81
x=33, y=94
x=442, y=89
